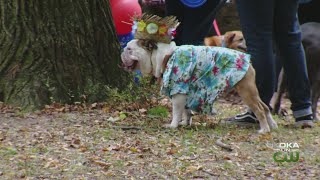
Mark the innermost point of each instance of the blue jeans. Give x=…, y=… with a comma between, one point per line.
x=269, y=26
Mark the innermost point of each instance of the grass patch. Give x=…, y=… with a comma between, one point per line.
x=158, y=111
x=8, y=151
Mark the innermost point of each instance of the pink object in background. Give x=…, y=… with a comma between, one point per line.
x=216, y=28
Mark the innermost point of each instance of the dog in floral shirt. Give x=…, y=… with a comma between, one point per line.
x=193, y=77
x=202, y=73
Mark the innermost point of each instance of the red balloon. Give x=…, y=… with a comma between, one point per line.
x=122, y=12
x=113, y=2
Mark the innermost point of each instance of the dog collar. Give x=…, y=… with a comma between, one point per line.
x=223, y=42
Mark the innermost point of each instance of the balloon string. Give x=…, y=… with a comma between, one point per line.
x=126, y=23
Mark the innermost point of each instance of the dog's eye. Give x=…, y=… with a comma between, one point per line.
x=128, y=48
x=241, y=39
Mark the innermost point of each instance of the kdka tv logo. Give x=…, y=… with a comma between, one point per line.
x=286, y=152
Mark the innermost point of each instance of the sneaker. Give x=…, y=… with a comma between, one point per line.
x=244, y=118
x=304, y=122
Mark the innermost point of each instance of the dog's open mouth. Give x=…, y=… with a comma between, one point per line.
x=130, y=67
x=128, y=63
x=244, y=49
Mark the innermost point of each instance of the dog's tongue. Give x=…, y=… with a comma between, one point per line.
x=126, y=60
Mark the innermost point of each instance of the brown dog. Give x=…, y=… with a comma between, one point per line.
x=231, y=39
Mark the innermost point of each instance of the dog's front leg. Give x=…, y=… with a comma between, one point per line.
x=178, y=107
x=186, y=118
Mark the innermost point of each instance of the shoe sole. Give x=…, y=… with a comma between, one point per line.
x=239, y=123
x=304, y=124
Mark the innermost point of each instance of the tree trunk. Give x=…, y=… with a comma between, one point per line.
x=57, y=50
x=228, y=18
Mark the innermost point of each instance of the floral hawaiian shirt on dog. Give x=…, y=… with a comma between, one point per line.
x=202, y=72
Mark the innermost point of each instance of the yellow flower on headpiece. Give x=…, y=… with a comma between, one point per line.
x=152, y=28
x=141, y=25
x=163, y=30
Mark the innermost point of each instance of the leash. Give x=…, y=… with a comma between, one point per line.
x=214, y=13
x=216, y=28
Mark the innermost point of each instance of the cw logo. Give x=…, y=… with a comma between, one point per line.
x=284, y=158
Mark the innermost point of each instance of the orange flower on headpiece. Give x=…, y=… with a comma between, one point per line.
x=163, y=30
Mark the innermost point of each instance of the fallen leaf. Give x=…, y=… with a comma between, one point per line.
x=129, y=163
x=94, y=105
x=2, y=137
x=142, y=111
x=171, y=151
x=76, y=141
x=83, y=148
x=133, y=149
x=112, y=119
x=191, y=169
x=51, y=163
x=106, y=109
x=115, y=148
x=122, y=115
x=265, y=137
x=102, y=163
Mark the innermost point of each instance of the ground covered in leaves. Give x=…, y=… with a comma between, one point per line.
x=127, y=141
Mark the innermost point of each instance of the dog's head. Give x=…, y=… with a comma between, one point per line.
x=231, y=39
x=137, y=55
x=235, y=40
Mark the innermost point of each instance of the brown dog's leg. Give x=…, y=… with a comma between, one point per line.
x=248, y=91
x=281, y=88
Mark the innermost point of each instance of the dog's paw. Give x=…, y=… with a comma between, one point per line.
x=183, y=123
x=186, y=122
x=264, y=131
x=171, y=126
x=271, y=122
x=273, y=125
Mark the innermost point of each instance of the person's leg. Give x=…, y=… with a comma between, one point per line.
x=256, y=19
x=197, y=22
x=288, y=41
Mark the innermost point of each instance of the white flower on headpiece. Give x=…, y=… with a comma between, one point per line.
x=152, y=28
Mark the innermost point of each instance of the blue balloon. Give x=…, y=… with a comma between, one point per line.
x=193, y=3
x=125, y=38
x=137, y=77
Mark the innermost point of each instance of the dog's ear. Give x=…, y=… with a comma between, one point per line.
x=230, y=37
x=149, y=45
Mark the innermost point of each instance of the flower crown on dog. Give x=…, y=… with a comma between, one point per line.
x=153, y=27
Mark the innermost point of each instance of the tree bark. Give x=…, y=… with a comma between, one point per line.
x=228, y=18
x=57, y=50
